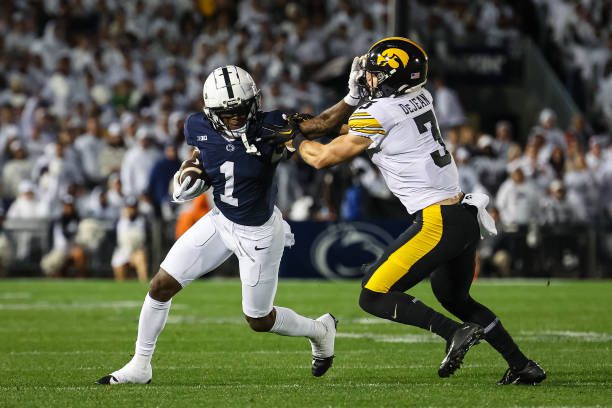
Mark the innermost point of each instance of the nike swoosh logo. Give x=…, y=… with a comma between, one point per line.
x=394, y=312
x=259, y=249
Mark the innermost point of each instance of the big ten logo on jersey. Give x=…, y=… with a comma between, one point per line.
x=341, y=250
x=202, y=138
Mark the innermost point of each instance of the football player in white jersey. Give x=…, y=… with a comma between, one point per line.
x=244, y=222
x=392, y=118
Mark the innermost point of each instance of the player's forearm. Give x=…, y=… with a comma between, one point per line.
x=316, y=155
x=329, y=121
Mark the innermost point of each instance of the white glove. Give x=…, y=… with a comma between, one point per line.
x=180, y=192
x=353, y=98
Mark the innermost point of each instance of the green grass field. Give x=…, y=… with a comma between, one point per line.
x=58, y=337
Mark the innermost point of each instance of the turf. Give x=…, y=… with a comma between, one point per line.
x=58, y=337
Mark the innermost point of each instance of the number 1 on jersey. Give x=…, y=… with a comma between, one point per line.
x=227, y=169
x=421, y=121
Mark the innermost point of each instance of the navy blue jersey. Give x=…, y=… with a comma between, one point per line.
x=242, y=183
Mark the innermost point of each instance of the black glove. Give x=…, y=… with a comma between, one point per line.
x=296, y=118
x=277, y=135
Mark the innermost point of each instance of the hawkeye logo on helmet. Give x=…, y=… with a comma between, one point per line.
x=393, y=57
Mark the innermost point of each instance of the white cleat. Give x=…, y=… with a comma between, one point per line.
x=129, y=374
x=323, y=348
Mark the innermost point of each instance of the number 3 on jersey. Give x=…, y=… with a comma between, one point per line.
x=421, y=121
x=227, y=169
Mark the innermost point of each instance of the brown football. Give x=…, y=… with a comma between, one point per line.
x=193, y=168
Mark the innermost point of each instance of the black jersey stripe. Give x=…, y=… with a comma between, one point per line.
x=228, y=84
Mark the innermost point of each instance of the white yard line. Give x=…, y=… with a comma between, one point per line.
x=97, y=305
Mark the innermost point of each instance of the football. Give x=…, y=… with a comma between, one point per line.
x=193, y=168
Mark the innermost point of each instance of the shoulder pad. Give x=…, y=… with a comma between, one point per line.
x=197, y=128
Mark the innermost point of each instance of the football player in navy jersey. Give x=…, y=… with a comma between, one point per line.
x=245, y=222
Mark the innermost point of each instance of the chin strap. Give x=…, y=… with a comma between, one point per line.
x=250, y=148
x=242, y=133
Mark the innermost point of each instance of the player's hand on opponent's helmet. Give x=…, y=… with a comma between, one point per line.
x=354, y=96
x=182, y=192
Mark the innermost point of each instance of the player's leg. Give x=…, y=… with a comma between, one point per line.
x=451, y=284
x=406, y=262
x=259, y=255
x=198, y=251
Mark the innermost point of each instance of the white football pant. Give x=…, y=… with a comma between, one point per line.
x=211, y=240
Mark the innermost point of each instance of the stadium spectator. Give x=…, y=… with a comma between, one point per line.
x=89, y=147
x=490, y=166
x=580, y=182
x=160, y=180
x=99, y=206
x=138, y=163
x=27, y=205
x=111, y=155
x=66, y=253
x=130, y=252
x=6, y=248
x=579, y=132
x=547, y=127
x=449, y=110
x=504, y=138
x=468, y=177
x=557, y=208
x=517, y=199
x=18, y=167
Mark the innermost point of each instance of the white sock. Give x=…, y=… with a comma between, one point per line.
x=289, y=323
x=153, y=317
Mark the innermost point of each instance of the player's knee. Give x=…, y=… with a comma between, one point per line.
x=369, y=301
x=163, y=286
x=261, y=324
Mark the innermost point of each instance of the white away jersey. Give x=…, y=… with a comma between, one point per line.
x=407, y=148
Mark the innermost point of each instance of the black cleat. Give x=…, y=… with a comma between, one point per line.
x=321, y=365
x=531, y=374
x=107, y=380
x=323, y=349
x=112, y=380
x=467, y=335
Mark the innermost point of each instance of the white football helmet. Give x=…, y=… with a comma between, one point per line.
x=231, y=90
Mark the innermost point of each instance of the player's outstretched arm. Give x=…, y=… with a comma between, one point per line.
x=340, y=149
x=331, y=120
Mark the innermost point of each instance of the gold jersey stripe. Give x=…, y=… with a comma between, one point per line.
x=399, y=262
x=360, y=114
x=369, y=131
x=364, y=122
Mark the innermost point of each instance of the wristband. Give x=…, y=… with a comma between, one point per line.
x=350, y=100
x=297, y=141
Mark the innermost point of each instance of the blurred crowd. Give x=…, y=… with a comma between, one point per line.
x=93, y=95
x=581, y=32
